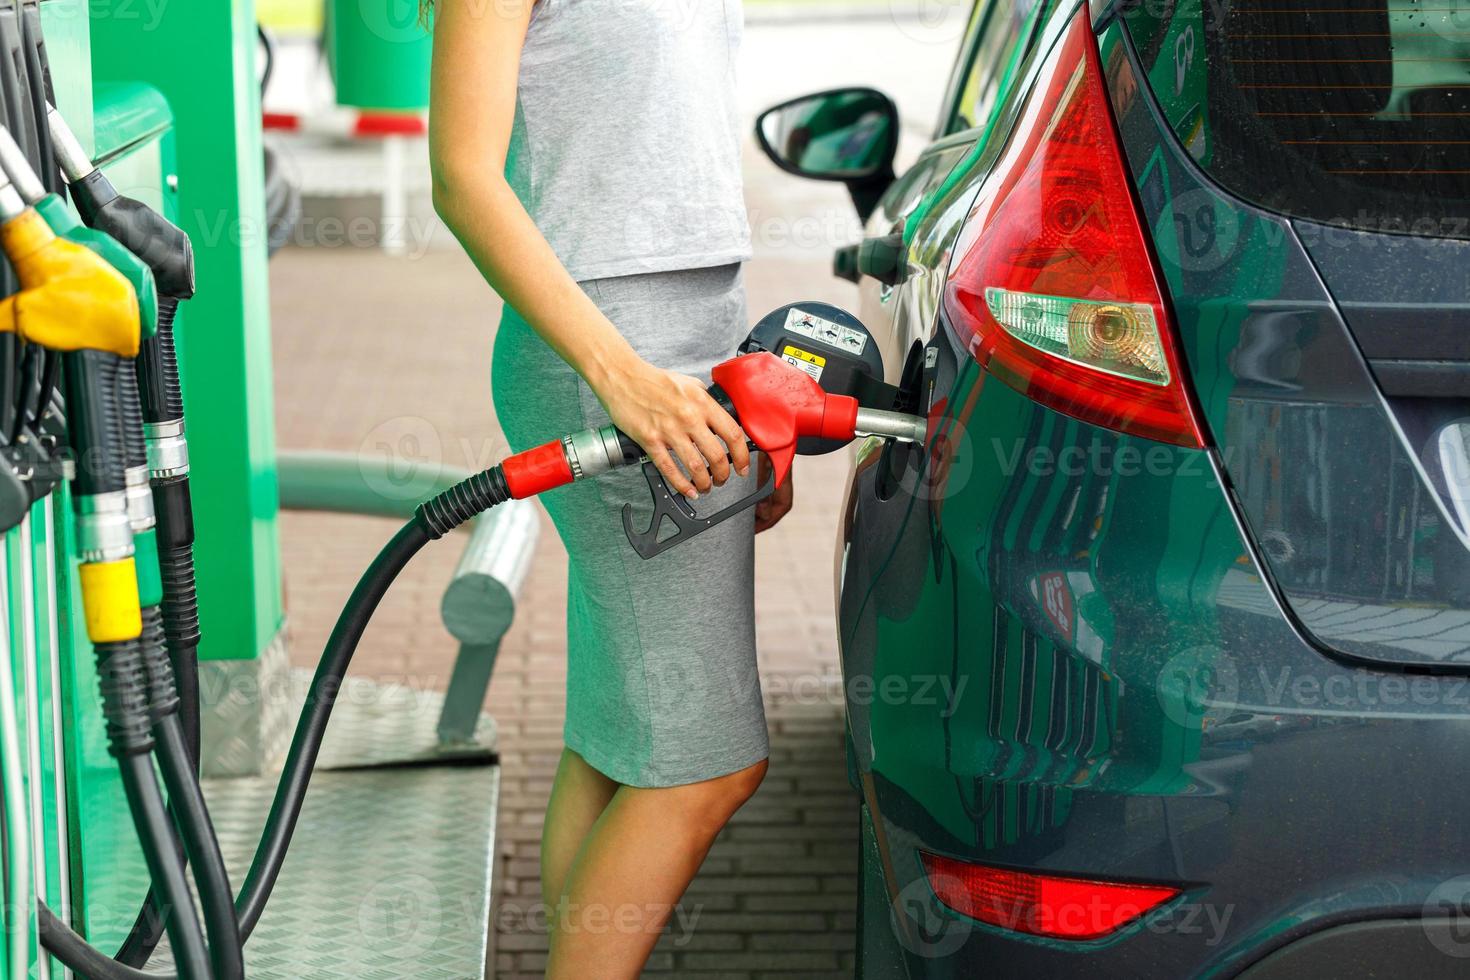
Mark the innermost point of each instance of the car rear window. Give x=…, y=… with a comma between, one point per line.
x=1350, y=112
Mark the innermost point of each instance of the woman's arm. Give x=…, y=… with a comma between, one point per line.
x=477, y=48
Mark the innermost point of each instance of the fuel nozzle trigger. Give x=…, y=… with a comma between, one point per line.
x=807, y=381
x=670, y=505
x=777, y=406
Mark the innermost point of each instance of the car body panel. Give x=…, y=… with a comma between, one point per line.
x=1066, y=650
x=1369, y=559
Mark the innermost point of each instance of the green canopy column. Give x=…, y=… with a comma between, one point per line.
x=201, y=56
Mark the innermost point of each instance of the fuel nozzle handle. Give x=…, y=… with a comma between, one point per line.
x=776, y=404
x=160, y=243
x=70, y=299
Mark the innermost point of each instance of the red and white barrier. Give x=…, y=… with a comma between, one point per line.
x=348, y=123
x=392, y=128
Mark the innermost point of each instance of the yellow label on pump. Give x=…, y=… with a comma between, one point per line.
x=110, y=600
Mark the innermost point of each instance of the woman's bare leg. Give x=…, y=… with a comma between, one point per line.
x=633, y=868
x=579, y=794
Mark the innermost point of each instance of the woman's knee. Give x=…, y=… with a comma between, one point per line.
x=713, y=802
x=744, y=783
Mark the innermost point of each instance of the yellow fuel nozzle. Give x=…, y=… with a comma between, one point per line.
x=70, y=299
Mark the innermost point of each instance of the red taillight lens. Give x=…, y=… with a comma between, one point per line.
x=1041, y=905
x=1055, y=290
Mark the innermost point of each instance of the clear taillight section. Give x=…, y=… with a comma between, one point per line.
x=1055, y=289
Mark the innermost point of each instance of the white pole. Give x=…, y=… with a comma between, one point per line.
x=395, y=195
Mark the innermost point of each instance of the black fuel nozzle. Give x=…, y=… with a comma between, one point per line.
x=163, y=245
x=165, y=248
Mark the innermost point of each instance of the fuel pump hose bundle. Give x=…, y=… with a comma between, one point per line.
x=158, y=258
x=72, y=301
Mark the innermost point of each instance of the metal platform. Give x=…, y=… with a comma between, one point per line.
x=390, y=871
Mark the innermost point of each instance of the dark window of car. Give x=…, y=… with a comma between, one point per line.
x=1001, y=25
x=1352, y=112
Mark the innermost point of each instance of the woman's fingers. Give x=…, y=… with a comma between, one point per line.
x=734, y=438
x=694, y=463
x=672, y=475
x=714, y=454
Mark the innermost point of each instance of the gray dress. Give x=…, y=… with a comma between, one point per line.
x=626, y=152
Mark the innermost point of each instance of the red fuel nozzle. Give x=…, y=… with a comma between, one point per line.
x=777, y=404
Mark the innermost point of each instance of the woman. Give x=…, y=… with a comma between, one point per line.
x=586, y=154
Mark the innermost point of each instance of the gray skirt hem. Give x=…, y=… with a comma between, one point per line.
x=655, y=777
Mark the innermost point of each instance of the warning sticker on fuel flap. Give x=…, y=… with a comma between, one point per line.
x=810, y=363
x=806, y=324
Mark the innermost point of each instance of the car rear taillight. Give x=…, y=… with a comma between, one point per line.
x=1040, y=905
x=1055, y=289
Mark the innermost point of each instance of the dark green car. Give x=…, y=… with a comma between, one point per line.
x=1156, y=654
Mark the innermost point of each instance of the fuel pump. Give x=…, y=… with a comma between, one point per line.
x=167, y=252
x=71, y=301
x=175, y=760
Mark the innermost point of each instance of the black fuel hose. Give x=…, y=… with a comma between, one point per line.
x=196, y=836
x=431, y=521
x=270, y=854
x=187, y=807
x=210, y=875
x=156, y=834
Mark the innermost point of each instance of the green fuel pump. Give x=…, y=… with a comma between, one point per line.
x=176, y=762
x=167, y=252
x=73, y=302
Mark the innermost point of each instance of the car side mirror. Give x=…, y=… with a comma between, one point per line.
x=848, y=135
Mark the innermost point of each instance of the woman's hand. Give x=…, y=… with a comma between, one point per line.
x=768, y=512
x=673, y=418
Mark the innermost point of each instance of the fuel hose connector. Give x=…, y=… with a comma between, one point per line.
x=578, y=456
x=108, y=572
x=593, y=452
x=135, y=455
